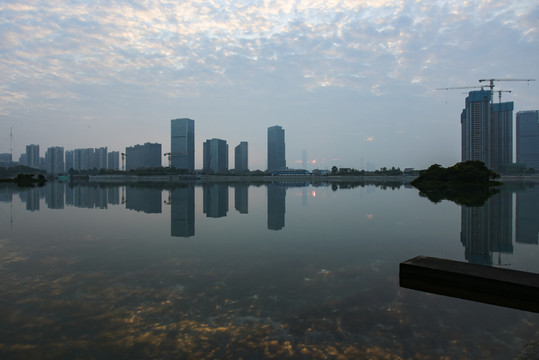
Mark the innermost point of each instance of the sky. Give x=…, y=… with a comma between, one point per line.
x=353, y=83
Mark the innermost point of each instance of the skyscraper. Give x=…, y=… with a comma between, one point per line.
x=101, y=155
x=113, y=160
x=54, y=158
x=143, y=156
x=501, y=131
x=32, y=156
x=276, y=148
x=241, y=157
x=486, y=130
x=182, y=144
x=528, y=138
x=215, y=155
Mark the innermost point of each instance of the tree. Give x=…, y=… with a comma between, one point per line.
x=334, y=170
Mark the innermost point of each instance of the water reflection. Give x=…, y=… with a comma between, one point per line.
x=276, y=206
x=527, y=215
x=119, y=284
x=144, y=199
x=182, y=211
x=241, y=198
x=488, y=229
x=215, y=202
x=487, y=232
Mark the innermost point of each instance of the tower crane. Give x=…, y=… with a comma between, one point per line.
x=491, y=81
x=491, y=85
x=500, y=94
x=461, y=87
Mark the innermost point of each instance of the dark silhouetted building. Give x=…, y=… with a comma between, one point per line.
x=215, y=155
x=32, y=156
x=182, y=144
x=113, y=160
x=54, y=158
x=527, y=138
x=241, y=157
x=486, y=130
x=143, y=156
x=276, y=148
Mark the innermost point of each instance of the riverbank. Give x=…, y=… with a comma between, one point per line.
x=249, y=179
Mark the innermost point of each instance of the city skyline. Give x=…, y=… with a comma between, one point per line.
x=351, y=82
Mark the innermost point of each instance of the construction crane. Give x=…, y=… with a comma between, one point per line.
x=500, y=94
x=461, y=87
x=491, y=81
x=491, y=85
x=170, y=154
x=123, y=158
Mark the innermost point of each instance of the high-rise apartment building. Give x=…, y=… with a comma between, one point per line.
x=69, y=160
x=54, y=158
x=143, y=156
x=6, y=159
x=83, y=159
x=501, y=131
x=486, y=130
x=182, y=144
x=101, y=155
x=241, y=157
x=113, y=160
x=276, y=148
x=32, y=156
x=527, y=138
x=215, y=155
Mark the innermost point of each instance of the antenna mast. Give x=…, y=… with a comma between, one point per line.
x=11, y=142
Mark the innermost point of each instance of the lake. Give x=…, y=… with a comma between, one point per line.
x=283, y=270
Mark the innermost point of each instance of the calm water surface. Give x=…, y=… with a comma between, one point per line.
x=231, y=271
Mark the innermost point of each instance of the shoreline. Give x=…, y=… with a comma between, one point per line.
x=246, y=179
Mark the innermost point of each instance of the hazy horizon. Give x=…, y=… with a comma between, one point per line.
x=350, y=82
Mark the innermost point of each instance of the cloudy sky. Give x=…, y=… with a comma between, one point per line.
x=351, y=82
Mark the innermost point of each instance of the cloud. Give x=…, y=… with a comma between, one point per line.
x=268, y=58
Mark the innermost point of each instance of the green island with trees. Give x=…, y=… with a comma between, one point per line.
x=26, y=180
x=468, y=183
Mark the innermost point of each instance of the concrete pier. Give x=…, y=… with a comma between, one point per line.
x=491, y=285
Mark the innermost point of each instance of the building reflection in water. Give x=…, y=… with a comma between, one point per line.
x=147, y=200
x=6, y=194
x=276, y=206
x=487, y=232
x=31, y=198
x=241, y=198
x=84, y=196
x=182, y=211
x=488, y=229
x=54, y=195
x=527, y=216
x=215, y=199
x=113, y=195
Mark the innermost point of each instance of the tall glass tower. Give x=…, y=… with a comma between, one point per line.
x=215, y=155
x=182, y=144
x=528, y=138
x=276, y=148
x=487, y=133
